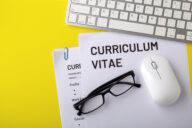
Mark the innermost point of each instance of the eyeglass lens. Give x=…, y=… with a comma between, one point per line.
x=121, y=88
x=93, y=104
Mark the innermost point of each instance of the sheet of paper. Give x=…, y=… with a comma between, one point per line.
x=134, y=109
x=68, y=75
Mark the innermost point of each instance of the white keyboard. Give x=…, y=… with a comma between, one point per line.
x=167, y=19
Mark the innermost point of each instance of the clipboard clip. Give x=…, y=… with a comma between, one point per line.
x=66, y=53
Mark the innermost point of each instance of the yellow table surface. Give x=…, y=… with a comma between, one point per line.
x=29, y=32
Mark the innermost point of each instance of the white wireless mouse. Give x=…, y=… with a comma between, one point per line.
x=160, y=80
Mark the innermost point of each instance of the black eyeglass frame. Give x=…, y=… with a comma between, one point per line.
x=104, y=89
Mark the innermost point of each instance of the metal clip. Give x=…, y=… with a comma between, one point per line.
x=66, y=53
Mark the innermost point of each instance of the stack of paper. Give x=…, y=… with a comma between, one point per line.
x=81, y=70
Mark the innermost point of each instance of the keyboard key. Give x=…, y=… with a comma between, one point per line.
x=148, y=10
x=189, y=26
x=180, y=36
x=101, y=3
x=161, y=21
x=72, y=17
x=143, y=18
x=91, y=20
x=189, y=36
x=111, y=4
x=82, y=19
x=189, y=33
x=167, y=3
x=139, y=8
x=160, y=31
x=129, y=0
x=105, y=12
x=92, y=2
x=187, y=15
x=79, y=1
x=123, y=15
x=102, y=22
x=177, y=14
x=133, y=17
x=168, y=13
x=152, y=20
x=186, y=6
x=176, y=5
x=138, y=1
x=80, y=8
x=130, y=26
x=120, y=5
x=171, y=33
x=171, y=23
x=95, y=11
x=180, y=24
x=114, y=14
x=157, y=2
x=158, y=11
x=148, y=2
x=130, y=7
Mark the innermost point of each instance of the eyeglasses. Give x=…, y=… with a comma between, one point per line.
x=115, y=87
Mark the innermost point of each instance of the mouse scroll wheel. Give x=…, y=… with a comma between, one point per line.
x=154, y=65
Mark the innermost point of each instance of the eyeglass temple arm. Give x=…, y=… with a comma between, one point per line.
x=133, y=84
x=105, y=87
x=110, y=83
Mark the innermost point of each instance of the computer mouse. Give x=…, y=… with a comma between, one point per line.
x=160, y=80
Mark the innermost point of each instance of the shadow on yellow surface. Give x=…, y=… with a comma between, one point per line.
x=29, y=32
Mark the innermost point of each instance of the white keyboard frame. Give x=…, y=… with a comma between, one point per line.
x=124, y=31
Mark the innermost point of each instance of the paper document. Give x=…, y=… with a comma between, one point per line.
x=68, y=76
x=107, y=55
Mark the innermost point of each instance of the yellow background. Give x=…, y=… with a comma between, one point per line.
x=29, y=32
